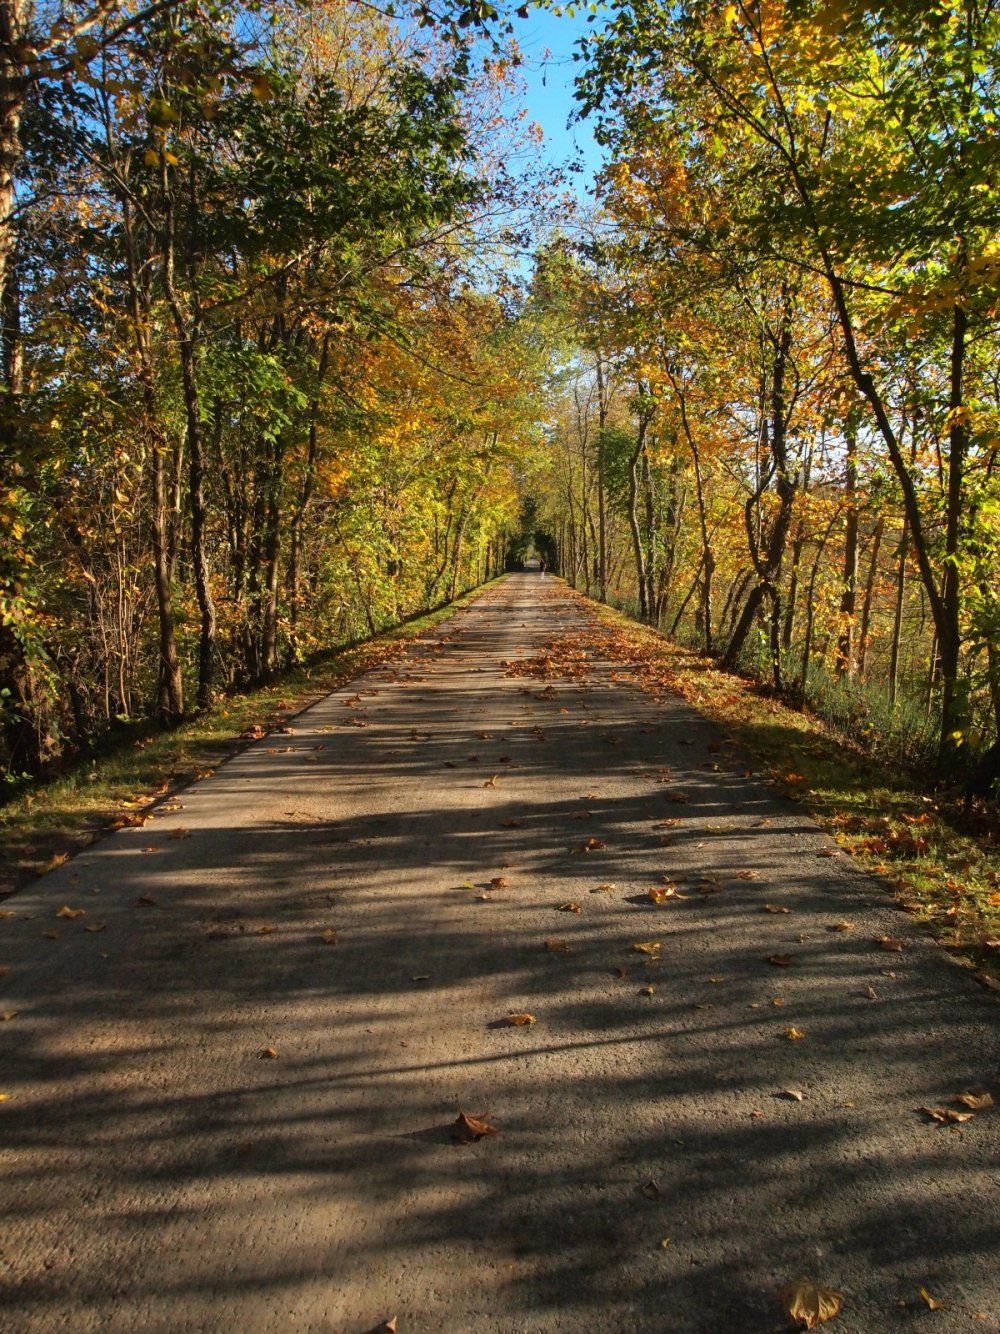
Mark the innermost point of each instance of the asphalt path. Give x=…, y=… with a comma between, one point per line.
x=231, y=1081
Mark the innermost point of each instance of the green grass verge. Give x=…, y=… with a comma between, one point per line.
x=44, y=827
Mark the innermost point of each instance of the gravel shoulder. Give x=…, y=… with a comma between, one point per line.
x=231, y=1079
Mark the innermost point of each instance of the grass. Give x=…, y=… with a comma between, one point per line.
x=44, y=827
x=941, y=865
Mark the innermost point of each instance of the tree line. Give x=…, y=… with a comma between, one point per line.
x=262, y=392
x=778, y=431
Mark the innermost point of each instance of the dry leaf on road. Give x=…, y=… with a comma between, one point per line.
x=521, y=1020
x=67, y=911
x=809, y=1305
x=648, y=947
x=976, y=1102
x=781, y=960
x=558, y=946
x=570, y=907
x=890, y=943
x=946, y=1115
x=794, y=1034
x=469, y=1129
x=932, y=1302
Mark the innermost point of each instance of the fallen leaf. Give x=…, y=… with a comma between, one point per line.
x=6, y=912
x=145, y=901
x=809, y=1305
x=664, y=1243
x=651, y=1190
x=558, y=947
x=946, y=1115
x=841, y=926
x=469, y=1129
x=976, y=1102
x=4, y=1097
x=594, y=844
x=647, y=990
x=777, y=1000
x=872, y=993
x=932, y=1302
x=420, y=977
x=570, y=907
x=521, y=1020
x=499, y=882
x=389, y=1326
x=775, y=907
x=95, y=926
x=8, y=1015
x=781, y=960
x=649, y=947
x=51, y=935
x=681, y=798
x=329, y=936
x=890, y=943
x=268, y=1054
x=795, y=1095
x=829, y=852
x=987, y=980
x=604, y=889
x=67, y=911
x=746, y=875
x=794, y=1034
x=511, y=824
x=179, y=833
x=491, y=782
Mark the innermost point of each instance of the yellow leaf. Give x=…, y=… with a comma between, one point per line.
x=932, y=1302
x=67, y=911
x=808, y=1304
x=976, y=1102
x=794, y=1034
x=650, y=947
x=775, y=907
x=729, y=15
x=329, y=937
x=569, y=907
x=794, y=1095
x=261, y=88
x=268, y=1054
x=8, y=1016
x=151, y=157
x=521, y=1020
x=170, y=158
x=890, y=943
x=4, y=1097
x=946, y=1115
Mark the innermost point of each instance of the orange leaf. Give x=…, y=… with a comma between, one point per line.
x=469, y=1129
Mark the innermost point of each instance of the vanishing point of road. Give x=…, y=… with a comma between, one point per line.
x=232, y=1079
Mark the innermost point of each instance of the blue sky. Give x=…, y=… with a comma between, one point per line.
x=547, y=44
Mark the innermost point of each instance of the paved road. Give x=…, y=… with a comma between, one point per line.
x=327, y=895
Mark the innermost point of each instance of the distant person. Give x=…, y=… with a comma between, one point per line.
x=541, y=567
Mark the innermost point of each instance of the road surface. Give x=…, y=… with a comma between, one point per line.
x=231, y=1081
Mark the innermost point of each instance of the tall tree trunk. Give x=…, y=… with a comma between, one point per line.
x=846, y=664
x=188, y=335
x=866, y=610
x=633, y=521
